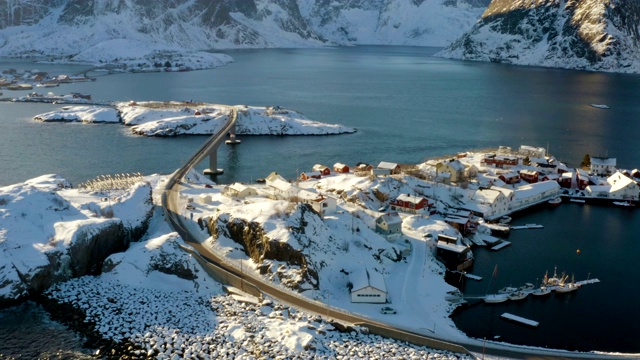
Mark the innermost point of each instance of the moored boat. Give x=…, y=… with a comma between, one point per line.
x=505, y=220
x=624, y=203
x=541, y=291
x=518, y=295
x=600, y=106
x=555, y=202
x=507, y=290
x=496, y=298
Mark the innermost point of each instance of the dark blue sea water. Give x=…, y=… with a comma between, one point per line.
x=407, y=106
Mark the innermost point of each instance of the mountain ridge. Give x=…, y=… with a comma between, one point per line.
x=576, y=34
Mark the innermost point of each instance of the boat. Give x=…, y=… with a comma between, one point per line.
x=505, y=220
x=600, y=106
x=518, y=295
x=496, y=298
x=526, y=287
x=579, y=201
x=507, y=290
x=551, y=281
x=555, y=202
x=624, y=203
x=565, y=287
x=541, y=291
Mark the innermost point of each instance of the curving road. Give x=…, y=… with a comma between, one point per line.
x=224, y=271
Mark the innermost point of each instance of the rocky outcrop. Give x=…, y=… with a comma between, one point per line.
x=578, y=34
x=79, y=245
x=297, y=272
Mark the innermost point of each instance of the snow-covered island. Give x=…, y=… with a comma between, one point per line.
x=153, y=118
x=355, y=238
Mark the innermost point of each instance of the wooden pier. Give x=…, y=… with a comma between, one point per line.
x=501, y=245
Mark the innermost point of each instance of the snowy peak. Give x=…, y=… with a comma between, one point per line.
x=580, y=34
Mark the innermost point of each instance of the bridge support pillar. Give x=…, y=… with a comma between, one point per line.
x=213, y=163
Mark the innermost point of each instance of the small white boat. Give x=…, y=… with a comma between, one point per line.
x=624, y=203
x=565, y=288
x=526, y=287
x=496, y=298
x=600, y=106
x=541, y=291
x=556, y=201
x=505, y=220
x=518, y=295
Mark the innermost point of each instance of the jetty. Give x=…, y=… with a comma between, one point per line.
x=527, y=226
x=501, y=245
x=519, y=319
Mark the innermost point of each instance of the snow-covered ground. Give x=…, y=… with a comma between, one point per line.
x=185, y=118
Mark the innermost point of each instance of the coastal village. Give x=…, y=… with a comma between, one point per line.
x=466, y=199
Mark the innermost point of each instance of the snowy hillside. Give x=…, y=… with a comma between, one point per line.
x=106, y=31
x=577, y=34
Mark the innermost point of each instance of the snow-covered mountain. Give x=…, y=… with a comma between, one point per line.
x=601, y=35
x=72, y=27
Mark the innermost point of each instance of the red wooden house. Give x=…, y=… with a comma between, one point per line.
x=565, y=180
x=530, y=176
x=582, y=181
x=409, y=203
x=510, y=177
x=323, y=170
x=340, y=168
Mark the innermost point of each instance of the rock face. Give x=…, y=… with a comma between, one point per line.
x=295, y=270
x=579, y=34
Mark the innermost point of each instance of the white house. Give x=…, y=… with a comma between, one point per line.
x=623, y=187
x=238, y=190
x=367, y=287
x=603, y=166
x=491, y=203
x=531, y=194
x=320, y=203
x=598, y=190
x=533, y=151
x=281, y=189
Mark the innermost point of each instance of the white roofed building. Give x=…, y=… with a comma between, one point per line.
x=367, y=287
x=320, y=203
x=603, y=166
x=490, y=203
x=238, y=190
x=623, y=187
x=391, y=168
x=532, y=194
x=389, y=223
x=281, y=189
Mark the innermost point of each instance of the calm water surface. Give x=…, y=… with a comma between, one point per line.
x=407, y=106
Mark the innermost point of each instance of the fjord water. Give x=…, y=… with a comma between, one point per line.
x=407, y=106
